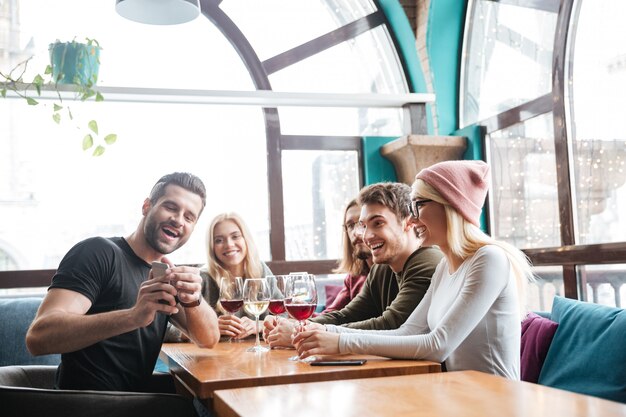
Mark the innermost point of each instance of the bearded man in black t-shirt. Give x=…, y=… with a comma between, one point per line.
x=106, y=313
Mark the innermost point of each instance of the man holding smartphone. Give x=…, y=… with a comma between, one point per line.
x=106, y=310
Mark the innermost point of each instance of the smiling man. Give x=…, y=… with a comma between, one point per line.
x=399, y=277
x=106, y=313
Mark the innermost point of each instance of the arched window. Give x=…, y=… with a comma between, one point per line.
x=288, y=171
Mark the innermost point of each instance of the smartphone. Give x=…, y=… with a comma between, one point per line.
x=340, y=362
x=158, y=270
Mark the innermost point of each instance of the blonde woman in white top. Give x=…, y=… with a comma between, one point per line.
x=470, y=318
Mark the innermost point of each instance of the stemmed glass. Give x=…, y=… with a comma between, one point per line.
x=300, y=299
x=277, y=294
x=231, y=295
x=256, y=299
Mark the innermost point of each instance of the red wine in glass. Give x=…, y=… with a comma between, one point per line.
x=231, y=295
x=300, y=312
x=276, y=307
x=232, y=306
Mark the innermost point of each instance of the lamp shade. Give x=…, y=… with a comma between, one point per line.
x=158, y=12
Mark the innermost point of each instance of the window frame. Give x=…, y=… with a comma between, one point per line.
x=569, y=255
x=414, y=120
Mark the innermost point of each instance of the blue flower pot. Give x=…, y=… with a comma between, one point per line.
x=74, y=63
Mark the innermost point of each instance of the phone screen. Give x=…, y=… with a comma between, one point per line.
x=340, y=362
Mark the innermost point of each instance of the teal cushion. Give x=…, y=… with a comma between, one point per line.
x=588, y=352
x=16, y=316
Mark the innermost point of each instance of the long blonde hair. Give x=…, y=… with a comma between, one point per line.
x=464, y=239
x=349, y=263
x=252, y=266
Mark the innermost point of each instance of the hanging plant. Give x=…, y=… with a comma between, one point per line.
x=71, y=63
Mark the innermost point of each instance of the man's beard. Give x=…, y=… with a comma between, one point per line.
x=361, y=252
x=151, y=231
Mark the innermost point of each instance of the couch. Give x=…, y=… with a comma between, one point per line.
x=580, y=347
x=27, y=382
x=16, y=316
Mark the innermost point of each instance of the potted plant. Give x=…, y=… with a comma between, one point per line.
x=73, y=63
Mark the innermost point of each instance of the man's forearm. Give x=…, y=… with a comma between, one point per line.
x=202, y=326
x=62, y=332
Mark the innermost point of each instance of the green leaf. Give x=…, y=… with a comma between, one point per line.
x=57, y=107
x=56, y=117
x=87, y=142
x=93, y=126
x=48, y=70
x=99, y=97
x=110, y=139
x=87, y=94
x=3, y=92
x=99, y=150
x=38, y=82
x=31, y=101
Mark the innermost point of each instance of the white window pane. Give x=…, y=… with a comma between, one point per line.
x=365, y=64
x=524, y=201
x=340, y=121
x=192, y=55
x=317, y=186
x=508, y=58
x=605, y=284
x=287, y=24
x=596, y=122
x=541, y=293
x=55, y=194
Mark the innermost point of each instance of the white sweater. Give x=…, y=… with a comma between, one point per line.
x=469, y=319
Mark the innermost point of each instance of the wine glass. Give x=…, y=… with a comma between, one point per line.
x=231, y=295
x=256, y=299
x=277, y=294
x=300, y=299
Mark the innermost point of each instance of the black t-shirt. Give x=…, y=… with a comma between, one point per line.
x=109, y=273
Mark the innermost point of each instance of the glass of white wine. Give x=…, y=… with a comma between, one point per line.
x=256, y=299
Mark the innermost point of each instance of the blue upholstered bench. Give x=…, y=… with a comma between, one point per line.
x=16, y=315
x=588, y=352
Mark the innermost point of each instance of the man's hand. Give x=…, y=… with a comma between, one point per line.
x=186, y=280
x=156, y=294
x=316, y=342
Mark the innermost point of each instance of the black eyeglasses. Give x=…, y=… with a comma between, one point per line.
x=414, y=207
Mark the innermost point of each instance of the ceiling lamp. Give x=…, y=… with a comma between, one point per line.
x=158, y=12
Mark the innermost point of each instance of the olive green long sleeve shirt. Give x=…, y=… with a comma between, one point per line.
x=387, y=299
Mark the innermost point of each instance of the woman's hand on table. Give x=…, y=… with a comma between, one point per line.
x=232, y=326
x=316, y=342
x=249, y=328
x=278, y=333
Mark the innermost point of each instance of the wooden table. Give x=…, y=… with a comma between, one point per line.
x=199, y=372
x=449, y=394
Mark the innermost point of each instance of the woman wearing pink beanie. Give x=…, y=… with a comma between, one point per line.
x=470, y=318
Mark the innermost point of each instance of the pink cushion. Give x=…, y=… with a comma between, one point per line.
x=331, y=293
x=537, y=334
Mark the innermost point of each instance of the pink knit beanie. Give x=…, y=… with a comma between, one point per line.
x=463, y=184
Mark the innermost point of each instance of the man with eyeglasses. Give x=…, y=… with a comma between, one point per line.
x=399, y=277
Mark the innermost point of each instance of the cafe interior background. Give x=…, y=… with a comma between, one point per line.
x=285, y=108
